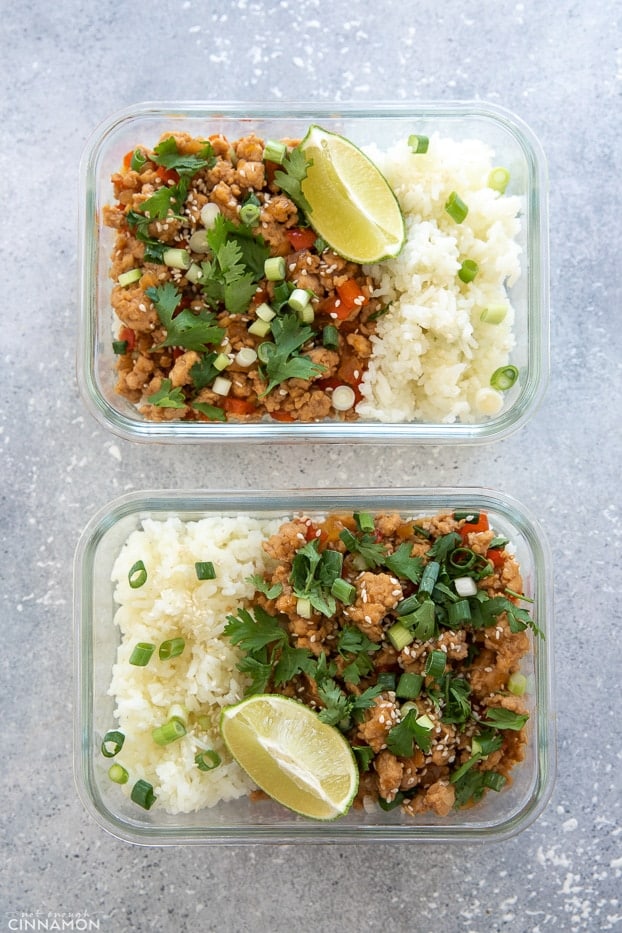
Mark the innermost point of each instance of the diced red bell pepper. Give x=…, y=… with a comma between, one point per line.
x=496, y=556
x=470, y=527
x=282, y=416
x=129, y=335
x=301, y=237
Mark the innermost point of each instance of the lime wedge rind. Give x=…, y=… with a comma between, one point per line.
x=287, y=751
x=353, y=207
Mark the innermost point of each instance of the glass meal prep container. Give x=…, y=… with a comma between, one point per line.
x=497, y=816
x=514, y=147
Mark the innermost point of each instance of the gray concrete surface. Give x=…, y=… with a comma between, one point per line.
x=65, y=67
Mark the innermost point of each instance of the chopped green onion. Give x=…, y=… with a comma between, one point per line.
x=386, y=680
x=207, y=760
x=456, y=208
x=274, y=151
x=306, y=315
x=205, y=570
x=274, y=268
x=138, y=160
x=112, y=743
x=462, y=558
x=343, y=398
x=264, y=312
x=435, y=664
x=266, y=350
x=141, y=655
x=471, y=518
x=409, y=686
x=119, y=347
x=209, y=214
x=365, y=521
x=198, y=243
x=494, y=780
x=171, y=648
x=299, y=299
x=408, y=605
x=221, y=362
x=429, y=576
x=176, y=258
x=388, y=805
x=259, y=328
x=118, y=774
x=517, y=684
x=168, y=732
x=418, y=144
x=468, y=270
x=330, y=337
x=465, y=586
x=504, y=378
x=425, y=722
x=493, y=314
x=498, y=179
x=194, y=273
x=246, y=356
x=143, y=795
x=343, y=591
x=129, y=277
x=137, y=575
x=221, y=386
x=458, y=612
x=177, y=711
x=250, y=213
x=400, y=636
x=303, y=607
x=364, y=756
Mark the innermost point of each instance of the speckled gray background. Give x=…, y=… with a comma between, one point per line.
x=67, y=66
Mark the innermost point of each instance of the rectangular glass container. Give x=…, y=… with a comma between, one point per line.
x=514, y=146
x=497, y=816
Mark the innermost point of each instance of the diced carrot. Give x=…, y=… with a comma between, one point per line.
x=167, y=175
x=127, y=158
x=238, y=406
x=282, y=416
x=351, y=294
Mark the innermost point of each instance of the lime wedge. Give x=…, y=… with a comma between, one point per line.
x=352, y=205
x=292, y=755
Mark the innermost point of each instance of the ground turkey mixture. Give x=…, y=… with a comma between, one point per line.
x=208, y=331
x=408, y=636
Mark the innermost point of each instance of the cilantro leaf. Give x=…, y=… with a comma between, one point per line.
x=402, y=564
x=259, y=668
x=518, y=619
x=236, y=265
x=262, y=586
x=366, y=545
x=282, y=362
x=364, y=756
x=502, y=718
x=443, y=546
x=291, y=176
x=167, y=397
x=190, y=330
x=403, y=737
x=210, y=411
x=337, y=704
x=169, y=156
x=291, y=662
x=204, y=372
x=252, y=633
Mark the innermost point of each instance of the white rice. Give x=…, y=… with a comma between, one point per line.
x=174, y=602
x=432, y=356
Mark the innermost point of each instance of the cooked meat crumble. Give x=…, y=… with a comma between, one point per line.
x=195, y=220
x=408, y=636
